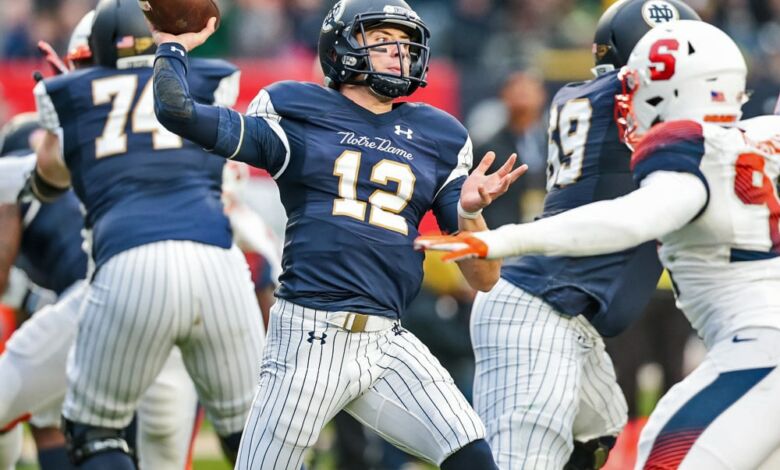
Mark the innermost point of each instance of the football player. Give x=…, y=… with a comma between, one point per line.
x=356, y=172
x=544, y=384
x=45, y=241
x=708, y=194
x=159, y=236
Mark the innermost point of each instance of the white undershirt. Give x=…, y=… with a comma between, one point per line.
x=665, y=202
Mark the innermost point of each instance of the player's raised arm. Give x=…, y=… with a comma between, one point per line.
x=51, y=177
x=220, y=130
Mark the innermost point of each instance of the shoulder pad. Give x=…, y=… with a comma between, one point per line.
x=673, y=136
x=301, y=99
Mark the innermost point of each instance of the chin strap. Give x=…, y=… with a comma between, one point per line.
x=388, y=87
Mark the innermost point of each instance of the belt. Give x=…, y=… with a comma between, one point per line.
x=360, y=323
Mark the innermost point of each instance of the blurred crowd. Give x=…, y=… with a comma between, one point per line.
x=486, y=39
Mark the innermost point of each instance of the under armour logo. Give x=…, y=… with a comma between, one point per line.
x=398, y=330
x=408, y=132
x=656, y=13
x=313, y=336
x=176, y=49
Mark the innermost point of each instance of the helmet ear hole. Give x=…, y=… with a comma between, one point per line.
x=655, y=101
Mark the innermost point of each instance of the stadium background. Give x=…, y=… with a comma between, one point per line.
x=497, y=62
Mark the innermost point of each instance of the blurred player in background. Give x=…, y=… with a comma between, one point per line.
x=45, y=242
x=50, y=252
x=544, y=384
x=166, y=275
x=356, y=174
x=560, y=306
x=250, y=233
x=708, y=195
x=48, y=240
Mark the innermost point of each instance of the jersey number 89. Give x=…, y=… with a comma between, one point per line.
x=572, y=123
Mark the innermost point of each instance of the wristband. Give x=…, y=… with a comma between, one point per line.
x=468, y=215
x=173, y=50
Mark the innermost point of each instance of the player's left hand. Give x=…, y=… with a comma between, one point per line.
x=188, y=40
x=480, y=189
x=463, y=245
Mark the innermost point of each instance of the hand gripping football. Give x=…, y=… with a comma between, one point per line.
x=179, y=16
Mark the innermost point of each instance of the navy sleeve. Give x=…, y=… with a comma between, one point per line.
x=173, y=104
x=249, y=139
x=455, y=152
x=445, y=206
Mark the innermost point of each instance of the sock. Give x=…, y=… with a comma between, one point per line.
x=54, y=458
x=475, y=454
x=112, y=460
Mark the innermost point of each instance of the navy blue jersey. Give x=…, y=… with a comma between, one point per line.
x=138, y=182
x=51, y=253
x=588, y=163
x=355, y=186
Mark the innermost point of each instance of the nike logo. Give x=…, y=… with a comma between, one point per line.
x=737, y=339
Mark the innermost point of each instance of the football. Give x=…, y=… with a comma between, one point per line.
x=179, y=16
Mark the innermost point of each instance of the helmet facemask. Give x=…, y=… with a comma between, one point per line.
x=625, y=116
x=350, y=56
x=412, y=57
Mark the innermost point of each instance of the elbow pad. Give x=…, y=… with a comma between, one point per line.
x=172, y=102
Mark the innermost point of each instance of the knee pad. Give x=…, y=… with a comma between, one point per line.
x=590, y=455
x=85, y=441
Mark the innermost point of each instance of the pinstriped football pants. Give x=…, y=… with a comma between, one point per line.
x=542, y=380
x=388, y=380
x=144, y=301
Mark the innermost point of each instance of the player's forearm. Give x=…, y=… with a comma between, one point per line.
x=51, y=177
x=174, y=106
x=664, y=205
x=480, y=274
